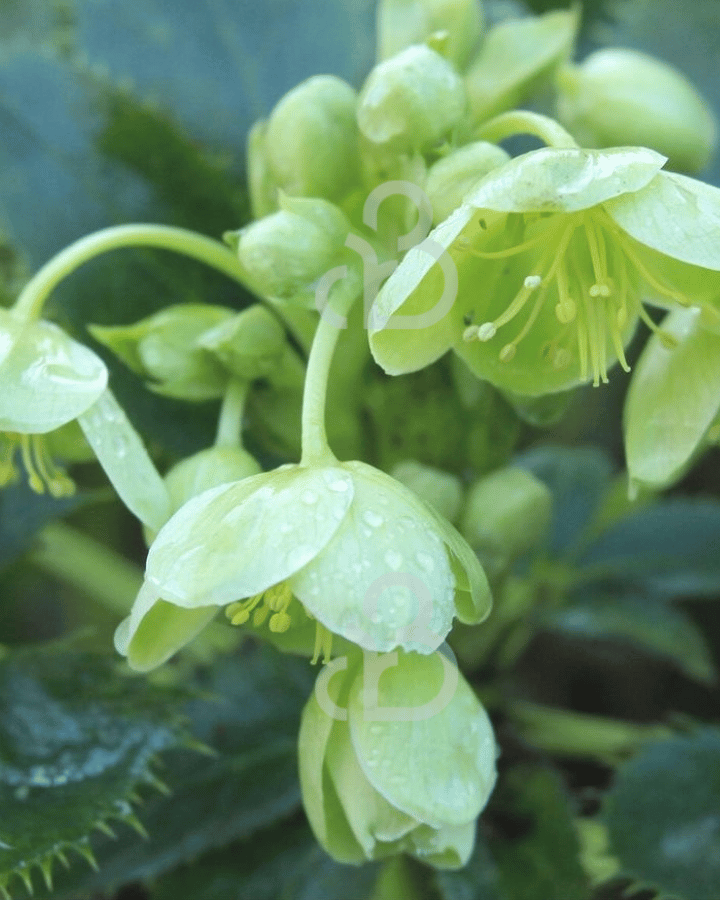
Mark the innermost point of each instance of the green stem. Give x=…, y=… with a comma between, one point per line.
x=164, y=237
x=231, y=414
x=522, y=121
x=92, y=567
x=315, y=449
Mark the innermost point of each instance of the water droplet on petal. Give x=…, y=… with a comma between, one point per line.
x=339, y=486
x=374, y=519
x=425, y=561
x=393, y=559
x=309, y=497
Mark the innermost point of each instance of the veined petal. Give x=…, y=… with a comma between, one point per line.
x=673, y=399
x=428, y=746
x=676, y=215
x=238, y=540
x=385, y=577
x=156, y=629
x=46, y=378
x=567, y=180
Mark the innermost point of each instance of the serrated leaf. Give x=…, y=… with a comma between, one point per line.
x=578, y=479
x=77, y=742
x=643, y=621
x=543, y=861
x=663, y=818
x=250, y=719
x=670, y=547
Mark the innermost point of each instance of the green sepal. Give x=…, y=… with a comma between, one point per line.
x=249, y=345
x=164, y=349
x=516, y=58
x=47, y=379
x=672, y=401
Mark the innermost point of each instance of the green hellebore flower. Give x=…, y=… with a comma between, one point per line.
x=539, y=279
x=406, y=771
x=363, y=556
x=47, y=379
x=673, y=402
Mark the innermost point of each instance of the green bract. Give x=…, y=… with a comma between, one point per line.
x=411, y=101
x=46, y=380
x=164, y=348
x=538, y=280
x=625, y=97
x=362, y=554
x=406, y=771
x=673, y=401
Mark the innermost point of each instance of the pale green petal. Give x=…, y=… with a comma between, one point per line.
x=449, y=847
x=676, y=215
x=552, y=180
x=320, y=799
x=384, y=579
x=156, y=629
x=673, y=398
x=237, y=540
x=122, y=454
x=439, y=769
x=46, y=378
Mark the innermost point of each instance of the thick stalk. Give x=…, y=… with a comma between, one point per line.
x=231, y=414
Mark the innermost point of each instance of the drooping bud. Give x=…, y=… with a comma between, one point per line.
x=623, y=97
x=438, y=489
x=516, y=58
x=458, y=24
x=249, y=345
x=208, y=469
x=450, y=179
x=164, y=349
x=311, y=140
x=286, y=253
x=411, y=101
x=506, y=514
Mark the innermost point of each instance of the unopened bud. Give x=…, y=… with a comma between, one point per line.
x=409, y=102
x=208, y=469
x=450, y=179
x=438, y=489
x=249, y=345
x=623, y=97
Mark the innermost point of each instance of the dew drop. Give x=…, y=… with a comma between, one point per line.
x=372, y=518
x=310, y=498
x=339, y=486
x=393, y=559
x=425, y=561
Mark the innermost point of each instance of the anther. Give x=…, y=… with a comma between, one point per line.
x=532, y=282
x=470, y=333
x=561, y=359
x=599, y=290
x=507, y=353
x=565, y=311
x=486, y=331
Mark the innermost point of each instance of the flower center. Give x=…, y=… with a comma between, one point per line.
x=42, y=473
x=589, y=271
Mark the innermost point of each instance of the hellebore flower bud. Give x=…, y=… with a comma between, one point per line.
x=624, y=97
x=506, y=514
x=411, y=101
x=450, y=179
x=286, y=252
x=164, y=349
x=457, y=23
x=310, y=143
x=396, y=756
x=249, y=345
x=438, y=489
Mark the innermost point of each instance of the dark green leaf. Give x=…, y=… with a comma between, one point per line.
x=644, y=621
x=578, y=479
x=77, y=741
x=663, y=816
x=543, y=859
x=672, y=547
x=252, y=724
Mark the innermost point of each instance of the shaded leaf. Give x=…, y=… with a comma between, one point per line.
x=663, y=819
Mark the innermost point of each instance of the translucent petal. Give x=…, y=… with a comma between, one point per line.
x=156, y=629
x=46, y=378
x=237, y=540
x=439, y=769
x=551, y=180
x=385, y=578
x=673, y=398
x=444, y=848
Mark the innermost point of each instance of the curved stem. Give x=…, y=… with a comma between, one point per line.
x=522, y=121
x=315, y=449
x=231, y=414
x=163, y=237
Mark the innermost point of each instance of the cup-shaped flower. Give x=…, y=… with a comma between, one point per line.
x=47, y=379
x=673, y=402
x=396, y=755
x=344, y=544
x=539, y=279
